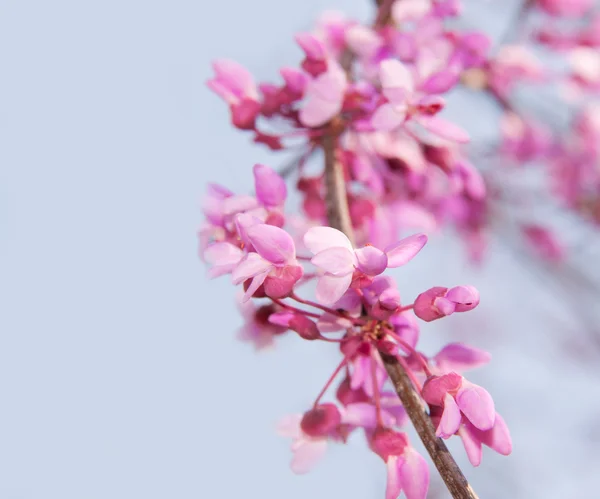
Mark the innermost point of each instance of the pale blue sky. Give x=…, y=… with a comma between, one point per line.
x=120, y=375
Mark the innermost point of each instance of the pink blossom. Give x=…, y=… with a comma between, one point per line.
x=324, y=97
x=567, y=8
x=403, y=102
x=335, y=255
x=497, y=438
x=270, y=187
x=275, y=258
x=439, y=302
x=459, y=398
x=236, y=86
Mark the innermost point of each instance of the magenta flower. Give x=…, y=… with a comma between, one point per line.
x=324, y=96
x=406, y=469
x=258, y=329
x=460, y=357
x=310, y=433
x=567, y=8
x=403, y=102
x=236, y=86
x=439, y=302
x=271, y=190
x=273, y=264
x=496, y=438
x=459, y=398
x=335, y=256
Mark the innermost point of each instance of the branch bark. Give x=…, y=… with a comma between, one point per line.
x=339, y=218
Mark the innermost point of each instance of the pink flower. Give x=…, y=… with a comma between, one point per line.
x=297, y=322
x=257, y=328
x=567, y=8
x=459, y=398
x=544, y=243
x=236, y=86
x=310, y=433
x=439, y=302
x=403, y=102
x=460, y=357
x=406, y=469
x=324, y=96
x=270, y=188
x=496, y=438
x=273, y=264
x=335, y=255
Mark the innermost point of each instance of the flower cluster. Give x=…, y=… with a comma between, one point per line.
x=358, y=309
x=380, y=90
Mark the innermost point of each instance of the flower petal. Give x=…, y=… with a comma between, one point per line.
x=460, y=357
x=331, y=288
x=388, y=117
x=396, y=81
x=335, y=261
x=393, y=485
x=404, y=251
x=270, y=187
x=306, y=454
x=289, y=426
x=255, y=284
x=250, y=266
x=318, y=239
x=450, y=421
x=414, y=474
x=444, y=128
x=325, y=96
x=371, y=260
x=224, y=257
x=272, y=243
x=477, y=405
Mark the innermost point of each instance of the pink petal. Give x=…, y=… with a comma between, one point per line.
x=440, y=82
x=224, y=257
x=404, y=251
x=325, y=95
x=234, y=75
x=396, y=81
x=281, y=318
x=318, y=239
x=371, y=261
x=414, y=474
x=335, y=261
x=289, y=426
x=451, y=417
x=363, y=41
x=249, y=267
x=477, y=405
x=255, y=284
x=436, y=387
x=311, y=45
x=409, y=10
x=388, y=117
x=444, y=306
x=498, y=438
x=393, y=485
x=443, y=128
x=272, y=243
x=330, y=288
x=460, y=357
x=306, y=454
x=270, y=187
x=465, y=297
x=329, y=323
x=238, y=204
x=471, y=443
x=360, y=414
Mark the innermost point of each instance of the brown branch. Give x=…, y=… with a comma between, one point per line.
x=444, y=462
x=339, y=218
